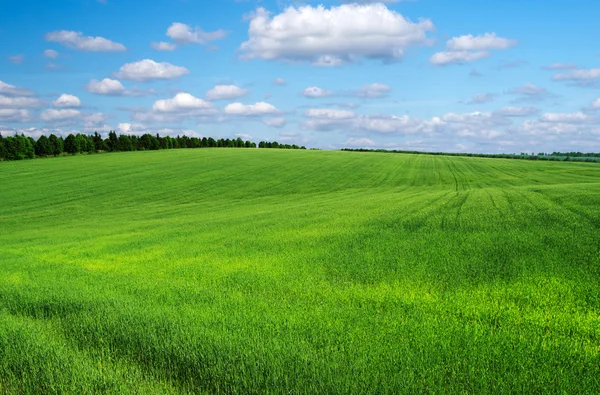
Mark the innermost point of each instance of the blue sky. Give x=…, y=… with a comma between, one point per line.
x=435, y=75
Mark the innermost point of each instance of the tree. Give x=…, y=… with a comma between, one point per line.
x=71, y=146
x=2, y=148
x=98, y=142
x=112, y=141
x=57, y=144
x=211, y=142
x=43, y=146
x=125, y=143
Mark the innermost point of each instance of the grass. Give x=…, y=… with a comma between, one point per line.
x=267, y=271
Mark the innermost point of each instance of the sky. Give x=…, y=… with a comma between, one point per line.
x=485, y=76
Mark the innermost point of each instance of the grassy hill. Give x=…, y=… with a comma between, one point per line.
x=260, y=271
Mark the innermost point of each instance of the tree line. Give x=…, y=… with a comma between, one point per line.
x=20, y=147
x=555, y=156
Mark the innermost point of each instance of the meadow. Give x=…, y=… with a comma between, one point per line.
x=292, y=271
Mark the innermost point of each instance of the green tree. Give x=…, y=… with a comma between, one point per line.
x=2, y=148
x=57, y=144
x=43, y=146
x=71, y=146
x=98, y=142
x=124, y=143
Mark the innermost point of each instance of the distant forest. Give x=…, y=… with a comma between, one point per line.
x=554, y=156
x=22, y=147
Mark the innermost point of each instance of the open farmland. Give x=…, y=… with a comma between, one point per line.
x=254, y=271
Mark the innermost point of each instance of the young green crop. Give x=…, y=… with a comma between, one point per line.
x=265, y=271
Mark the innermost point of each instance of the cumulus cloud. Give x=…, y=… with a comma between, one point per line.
x=314, y=92
x=279, y=81
x=481, y=98
x=106, y=87
x=568, y=118
x=110, y=87
x=485, y=42
x=325, y=119
x=578, y=75
x=530, y=92
x=20, y=102
x=278, y=122
x=52, y=115
x=225, y=92
x=373, y=91
x=163, y=46
x=11, y=90
x=67, y=101
x=326, y=113
x=330, y=37
x=560, y=66
x=360, y=142
x=148, y=70
x=50, y=53
x=76, y=40
x=528, y=89
x=596, y=104
x=517, y=111
x=184, y=34
x=257, y=109
x=14, y=115
x=457, y=57
x=469, y=48
x=183, y=103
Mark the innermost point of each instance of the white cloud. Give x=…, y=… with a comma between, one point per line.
x=481, y=98
x=77, y=40
x=11, y=90
x=183, y=103
x=67, y=101
x=314, y=92
x=457, y=57
x=275, y=122
x=53, y=115
x=50, y=53
x=147, y=70
x=578, y=75
x=260, y=108
x=469, y=48
x=485, y=42
x=279, y=81
x=17, y=59
x=388, y=124
x=326, y=113
x=332, y=36
x=19, y=102
x=225, y=92
x=568, y=118
x=112, y=87
x=106, y=87
x=360, y=142
x=517, y=111
x=528, y=89
x=184, y=34
x=560, y=66
x=373, y=91
x=163, y=46
x=14, y=115
x=596, y=104
x=325, y=119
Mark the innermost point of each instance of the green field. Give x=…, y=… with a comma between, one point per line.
x=267, y=271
